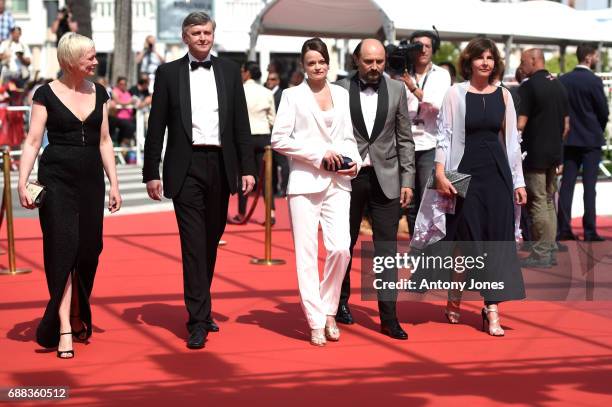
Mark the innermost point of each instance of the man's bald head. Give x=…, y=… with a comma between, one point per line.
x=370, y=59
x=536, y=54
x=532, y=60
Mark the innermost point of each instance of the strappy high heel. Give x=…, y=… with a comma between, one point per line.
x=332, y=333
x=452, y=309
x=317, y=337
x=65, y=354
x=497, y=331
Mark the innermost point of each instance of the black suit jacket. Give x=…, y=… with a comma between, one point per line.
x=171, y=108
x=588, y=108
x=277, y=98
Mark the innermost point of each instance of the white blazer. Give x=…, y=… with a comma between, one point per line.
x=301, y=134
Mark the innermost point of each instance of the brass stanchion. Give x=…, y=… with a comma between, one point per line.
x=268, y=260
x=12, y=270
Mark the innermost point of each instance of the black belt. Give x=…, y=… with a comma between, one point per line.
x=73, y=145
x=206, y=148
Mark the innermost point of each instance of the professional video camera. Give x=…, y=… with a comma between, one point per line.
x=400, y=58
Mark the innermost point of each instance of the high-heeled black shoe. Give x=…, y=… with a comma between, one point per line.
x=80, y=335
x=65, y=354
x=497, y=331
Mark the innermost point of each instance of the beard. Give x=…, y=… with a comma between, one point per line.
x=372, y=76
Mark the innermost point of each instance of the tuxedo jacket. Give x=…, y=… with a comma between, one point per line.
x=301, y=134
x=391, y=146
x=171, y=109
x=588, y=108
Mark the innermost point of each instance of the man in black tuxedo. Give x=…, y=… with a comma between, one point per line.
x=281, y=165
x=200, y=99
x=381, y=125
x=588, y=119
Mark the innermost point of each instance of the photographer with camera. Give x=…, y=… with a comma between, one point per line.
x=426, y=84
x=63, y=24
x=16, y=58
x=149, y=59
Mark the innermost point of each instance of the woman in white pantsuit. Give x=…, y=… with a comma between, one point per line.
x=313, y=128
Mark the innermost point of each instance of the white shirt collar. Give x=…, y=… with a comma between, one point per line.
x=192, y=58
x=583, y=67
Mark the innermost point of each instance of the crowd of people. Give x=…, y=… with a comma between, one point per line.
x=385, y=143
x=19, y=82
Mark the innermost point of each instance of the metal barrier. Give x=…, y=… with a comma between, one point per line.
x=268, y=260
x=7, y=205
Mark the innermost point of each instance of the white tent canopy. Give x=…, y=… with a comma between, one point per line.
x=533, y=22
x=541, y=22
x=323, y=18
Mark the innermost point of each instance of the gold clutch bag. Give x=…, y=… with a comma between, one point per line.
x=36, y=192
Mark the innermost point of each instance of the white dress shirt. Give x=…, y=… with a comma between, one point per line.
x=369, y=104
x=204, y=105
x=260, y=104
x=434, y=84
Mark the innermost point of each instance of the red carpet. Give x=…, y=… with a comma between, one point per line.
x=554, y=353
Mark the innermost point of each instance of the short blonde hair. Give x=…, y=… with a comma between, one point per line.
x=71, y=47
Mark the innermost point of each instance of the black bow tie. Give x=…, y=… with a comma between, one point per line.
x=204, y=64
x=364, y=85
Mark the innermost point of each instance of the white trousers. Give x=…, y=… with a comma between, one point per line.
x=330, y=208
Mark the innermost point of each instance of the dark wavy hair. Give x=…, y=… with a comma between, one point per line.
x=315, y=44
x=473, y=50
x=253, y=68
x=584, y=50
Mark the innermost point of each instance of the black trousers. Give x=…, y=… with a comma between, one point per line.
x=384, y=213
x=281, y=174
x=201, y=213
x=573, y=158
x=424, y=163
x=127, y=129
x=260, y=141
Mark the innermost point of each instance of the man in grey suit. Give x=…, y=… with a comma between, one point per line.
x=379, y=111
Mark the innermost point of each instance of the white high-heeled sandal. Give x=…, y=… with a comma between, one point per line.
x=332, y=333
x=497, y=331
x=317, y=337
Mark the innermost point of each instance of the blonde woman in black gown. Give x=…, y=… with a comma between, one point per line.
x=80, y=150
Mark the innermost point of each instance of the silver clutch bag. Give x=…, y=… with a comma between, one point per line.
x=460, y=181
x=37, y=193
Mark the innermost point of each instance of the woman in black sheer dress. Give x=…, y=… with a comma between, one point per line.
x=72, y=166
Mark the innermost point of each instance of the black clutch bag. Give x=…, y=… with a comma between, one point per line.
x=37, y=193
x=346, y=164
x=460, y=181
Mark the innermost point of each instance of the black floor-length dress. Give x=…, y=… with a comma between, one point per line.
x=487, y=212
x=72, y=213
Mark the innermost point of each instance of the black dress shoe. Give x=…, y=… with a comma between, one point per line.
x=211, y=326
x=197, y=338
x=344, y=315
x=394, y=330
x=594, y=238
x=568, y=236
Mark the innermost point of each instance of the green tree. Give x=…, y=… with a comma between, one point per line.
x=449, y=51
x=553, y=66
